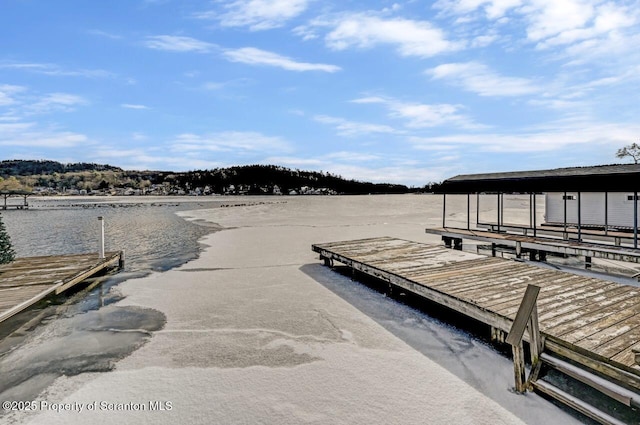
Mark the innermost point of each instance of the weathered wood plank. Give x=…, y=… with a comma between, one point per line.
x=590, y=310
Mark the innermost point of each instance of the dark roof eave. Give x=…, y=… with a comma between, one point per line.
x=625, y=178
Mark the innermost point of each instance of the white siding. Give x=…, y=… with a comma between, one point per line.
x=592, y=205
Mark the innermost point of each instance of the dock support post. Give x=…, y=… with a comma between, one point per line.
x=477, y=208
x=498, y=335
x=121, y=262
x=587, y=262
x=101, y=246
x=606, y=213
x=527, y=315
x=635, y=220
x=327, y=261
x=535, y=220
x=565, y=235
x=518, y=368
x=444, y=210
x=499, y=211
x=518, y=249
x=579, y=216
x=468, y=211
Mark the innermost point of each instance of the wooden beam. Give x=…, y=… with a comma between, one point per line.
x=519, y=368
x=524, y=313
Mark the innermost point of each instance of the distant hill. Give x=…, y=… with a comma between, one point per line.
x=29, y=167
x=55, y=177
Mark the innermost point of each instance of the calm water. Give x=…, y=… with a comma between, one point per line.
x=150, y=232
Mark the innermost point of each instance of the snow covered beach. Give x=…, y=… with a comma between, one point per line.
x=258, y=331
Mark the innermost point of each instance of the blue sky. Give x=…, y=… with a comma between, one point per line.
x=406, y=92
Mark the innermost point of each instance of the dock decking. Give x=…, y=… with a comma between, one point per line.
x=27, y=280
x=590, y=321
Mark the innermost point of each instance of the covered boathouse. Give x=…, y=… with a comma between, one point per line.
x=579, y=201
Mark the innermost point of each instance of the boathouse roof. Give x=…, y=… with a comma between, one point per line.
x=601, y=178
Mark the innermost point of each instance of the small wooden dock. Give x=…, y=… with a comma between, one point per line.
x=28, y=280
x=19, y=193
x=591, y=322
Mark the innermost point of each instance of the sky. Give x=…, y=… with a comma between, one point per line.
x=405, y=92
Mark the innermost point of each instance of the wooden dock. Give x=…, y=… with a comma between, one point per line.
x=528, y=243
x=28, y=280
x=591, y=322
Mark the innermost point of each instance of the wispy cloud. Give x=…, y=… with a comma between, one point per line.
x=351, y=128
x=176, y=43
x=133, y=106
x=480, y=79
x=220, y=85
x=256, y=14
x=55, y=70
x=56, y=102
x=31, y=135
x=7, y=92
x=238, y=142
x=421, y=115
x=253, y=56
x=368, y=30
x=553, y=136
x=105, y=34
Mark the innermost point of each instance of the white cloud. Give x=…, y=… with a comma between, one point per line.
x=411, y=37
x=553, y=136
x=133, y=106
x=56, y=102
x=55, y=70
x=175, y=43
x=257, y=14
x=105, y=34
x=420, y=115
x=493, y=9
x=253, y=56
x=351, y=128
x=478, y=78
x=150, y=159
x=558, y=24
x=30, y=135
x=238, y=142
x=6, y=93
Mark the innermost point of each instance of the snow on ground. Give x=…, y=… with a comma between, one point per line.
x=258, y=332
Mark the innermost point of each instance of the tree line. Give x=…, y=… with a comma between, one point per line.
x=248, y=179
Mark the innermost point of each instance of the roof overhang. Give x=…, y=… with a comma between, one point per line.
x=605, y=178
